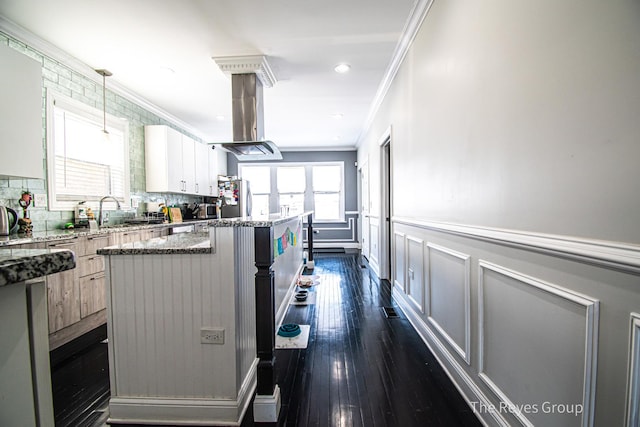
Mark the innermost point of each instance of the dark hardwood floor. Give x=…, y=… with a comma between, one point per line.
x=361, y=368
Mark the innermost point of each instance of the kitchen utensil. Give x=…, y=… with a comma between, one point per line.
x=175, y=215
x=8, y=221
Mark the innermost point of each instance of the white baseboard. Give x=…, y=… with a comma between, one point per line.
x=181, y=411
x=345, y=245
x=266, y=409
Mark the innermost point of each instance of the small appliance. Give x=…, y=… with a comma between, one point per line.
x=8, y=221
x=207, y=211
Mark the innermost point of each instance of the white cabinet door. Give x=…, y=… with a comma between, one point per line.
x=170, y=160
x=21, y=151
x=202, y=168
x=163, y=159
x=188, y=165
x=212, y=184
x=174, y=162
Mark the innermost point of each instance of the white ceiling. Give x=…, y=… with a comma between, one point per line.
x=303, y=40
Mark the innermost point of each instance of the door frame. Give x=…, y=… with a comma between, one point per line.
x=386, y=203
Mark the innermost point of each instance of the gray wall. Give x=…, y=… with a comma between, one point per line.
x=521, y=116
x=329, y=234
x=514, y=129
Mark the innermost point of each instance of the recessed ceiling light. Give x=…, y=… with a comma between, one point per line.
x=337, y=116
x=336, y=138
x=342, y=68
x=221, y=118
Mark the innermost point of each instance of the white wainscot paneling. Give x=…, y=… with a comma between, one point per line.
x=374, y=246
x=415, y=272
x=538, y=347
x=633, y=398
x=449, y=297
x=365, y=238
x=399, y=260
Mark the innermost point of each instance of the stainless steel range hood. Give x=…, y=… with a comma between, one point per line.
x=248, y=113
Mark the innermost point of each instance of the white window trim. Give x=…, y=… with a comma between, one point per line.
x=308, y=194
x=89, y=112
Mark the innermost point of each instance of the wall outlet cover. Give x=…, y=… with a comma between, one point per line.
x=212, y=335
x=39, y=200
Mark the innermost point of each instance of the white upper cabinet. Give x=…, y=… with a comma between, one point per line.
x=217, y=166
x=175, y=163
x=163, y=159
x=21, y=147
x=202, y=169
x=189, y=164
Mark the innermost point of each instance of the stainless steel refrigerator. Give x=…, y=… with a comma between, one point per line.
x=234, y=198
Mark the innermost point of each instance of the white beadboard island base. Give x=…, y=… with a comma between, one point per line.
x=164, y=295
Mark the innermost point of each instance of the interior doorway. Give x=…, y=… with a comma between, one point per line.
x=386, y=199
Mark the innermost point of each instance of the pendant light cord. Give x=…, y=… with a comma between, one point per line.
x=104, y=73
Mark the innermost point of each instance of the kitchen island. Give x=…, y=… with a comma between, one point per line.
x=191, y=321
x=25, y=375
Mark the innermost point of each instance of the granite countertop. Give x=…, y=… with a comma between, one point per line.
x=18, y=265
x=255, y=221
x=182, y=243
x=53, y=235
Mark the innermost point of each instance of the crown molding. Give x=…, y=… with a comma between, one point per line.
x=48, y=49
x=256, y=64
x=416, y=17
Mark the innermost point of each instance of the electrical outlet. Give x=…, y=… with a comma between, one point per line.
x=39, y=200
x=210, y=335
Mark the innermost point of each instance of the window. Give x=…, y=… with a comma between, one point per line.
x=84, y=163
x=313, y=186
x=259, y=178
x=291, y=188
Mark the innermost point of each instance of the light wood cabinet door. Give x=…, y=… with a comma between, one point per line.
x=92, y=294
x=63, y=292
x=91, y=272
x=90, y=244
x=155, y=232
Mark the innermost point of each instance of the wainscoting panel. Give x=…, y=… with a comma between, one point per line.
x=448, y=296
x=633, y=398
x=537, y=346
x=366, y=246
x=415, y=272
x=374, y=249
x=399, y=260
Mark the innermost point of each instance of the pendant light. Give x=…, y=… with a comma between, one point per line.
x=104, y=73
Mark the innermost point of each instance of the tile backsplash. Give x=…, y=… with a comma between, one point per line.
x=64, y=80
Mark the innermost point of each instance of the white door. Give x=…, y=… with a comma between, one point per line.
x=364, y=210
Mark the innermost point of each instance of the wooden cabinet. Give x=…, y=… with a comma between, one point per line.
x=77, y=298
x=63, y=291
x=155, y=232
x=91, y=275
x=20, y=115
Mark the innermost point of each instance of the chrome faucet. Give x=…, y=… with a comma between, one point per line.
x=100, y=216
